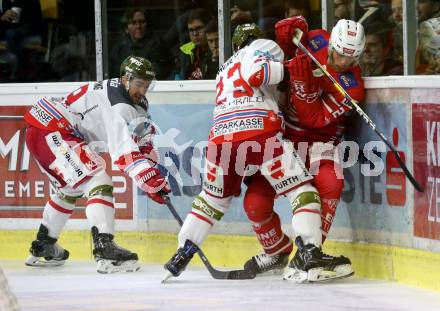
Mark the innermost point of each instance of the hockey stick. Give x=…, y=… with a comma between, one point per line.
x=297, y=41
x=370, y=11
x=216, y=274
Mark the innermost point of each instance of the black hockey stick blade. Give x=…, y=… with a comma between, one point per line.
x=226, y=275
x=297, y=41
x=243, y=274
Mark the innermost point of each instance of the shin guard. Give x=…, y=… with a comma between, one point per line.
x=306, y=219
x=205, y=212
x=330, y=189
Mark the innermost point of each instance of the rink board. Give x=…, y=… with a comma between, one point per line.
x=373, y=261
x=378, y=209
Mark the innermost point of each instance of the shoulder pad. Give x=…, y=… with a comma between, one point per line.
x=268, y=49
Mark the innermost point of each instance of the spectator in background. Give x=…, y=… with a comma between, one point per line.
x=301, y=7
x=396, y=21
x=377, y=59
x=194, y=56
x=428, y=61
x=396, y=12
x=212, y=39
x=178, y=34
x=139, y=40
x=296, y=8
x=265, y=13
x=427, y=9
x=241, y=12
x=20, y=24
x=428, y=53
x=342, y=9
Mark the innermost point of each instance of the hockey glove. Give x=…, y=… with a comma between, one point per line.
x=303, y=84
x=148, y=151
x=153, y=184
x=284, y=31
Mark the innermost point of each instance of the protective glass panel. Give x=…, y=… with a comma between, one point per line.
x=180, y=38
x=382, y=22
x=47, y=40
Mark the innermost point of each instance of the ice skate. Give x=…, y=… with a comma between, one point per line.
x=110, y=257
x=263, y=264
x=177, y=264
x=45, y=252
x=310, y=264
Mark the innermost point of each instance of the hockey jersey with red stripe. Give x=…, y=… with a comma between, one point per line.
x=247, y=96
x=323, y=119
x=100, y=112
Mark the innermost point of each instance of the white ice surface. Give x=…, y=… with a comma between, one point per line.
x=76, y=286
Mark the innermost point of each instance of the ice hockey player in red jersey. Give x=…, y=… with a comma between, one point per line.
x=315, y=120
x=247, y=133
x=113, y=115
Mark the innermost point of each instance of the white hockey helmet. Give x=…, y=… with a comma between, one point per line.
x=348, y=38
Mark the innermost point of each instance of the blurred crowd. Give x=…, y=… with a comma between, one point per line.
x=54, y=40
x=47, y=40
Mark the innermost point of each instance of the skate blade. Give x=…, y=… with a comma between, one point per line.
x=278, y=271
x=33, y=261
x=294, y=275
x=106, y=266
x=317, y=275
x=340, y=272
x=166, y=277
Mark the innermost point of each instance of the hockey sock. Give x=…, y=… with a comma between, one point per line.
x=330, y=189
x=55, y=215
x=306, y=219
x=100, y=212
x=258, y=205
x=271, y=237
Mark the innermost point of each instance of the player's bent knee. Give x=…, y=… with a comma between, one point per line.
x=67, y=195
x=99, y=185
x=101, y=190
x=327, y=181
x=309, y=200
x=206, y=211
x=206, y=206
x=258, y=205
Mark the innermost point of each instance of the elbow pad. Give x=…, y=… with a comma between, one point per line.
x=266, y=72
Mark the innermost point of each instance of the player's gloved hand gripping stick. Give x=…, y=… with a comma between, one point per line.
x=297, y=41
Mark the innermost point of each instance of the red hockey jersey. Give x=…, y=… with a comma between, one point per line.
x=323, y=119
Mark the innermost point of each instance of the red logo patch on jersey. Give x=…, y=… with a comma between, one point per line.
x=211, y=173
x=351, y=33
x=276, y=171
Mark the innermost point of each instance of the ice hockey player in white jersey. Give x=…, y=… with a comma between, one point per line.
x=247, y=133
x=113, y=115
